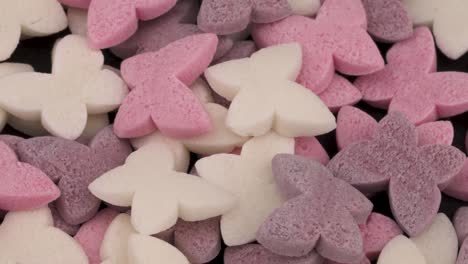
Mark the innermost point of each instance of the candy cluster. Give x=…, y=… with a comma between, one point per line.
x=201, y=146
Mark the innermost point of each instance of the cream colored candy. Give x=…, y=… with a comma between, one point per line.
x=78, y=21
x=401, y=250
x=78, y=86
x=31, y=18
x=202, y=90
x=123, y=245
x=266, y=97
x=158, y=193
x=304, y=7
x=7, y=69
x=439, y=243
x=249, y=177
x=30, y=237
x=448, y=20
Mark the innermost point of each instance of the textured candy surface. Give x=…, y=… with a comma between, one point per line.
x=322, y=212
x=410, y=84
x=460, y=221
x=23, y=186
x=331, y=41
x=388, y=20
x=62, y=100
x=29, y=237
x=376, y=233
x=354, y=125
x=438, y=243
x=160, y=96
x=178, y=23
x=458, y=187
x=111, y=23
x=157, y=193
x=60, y=223
x=199, y=241
x=40, y=18
x=231, y=16
x=91, y=234
x=254, y=253
x=248, y=176
x=290, y=109
x=413, y=175
x=74, y=166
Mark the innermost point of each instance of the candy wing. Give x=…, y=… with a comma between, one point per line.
x=347, y=13
x=142, y=249
x=41, y=17
x=449, y=92
x=354, y=125
x=224, y=17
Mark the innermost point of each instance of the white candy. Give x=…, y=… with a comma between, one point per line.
x=78, y=86
x=439, y=243
x=32, y=18
x=401, y=250
x=78, y=21
x=304, y=7
x=448, y=19
x=158, y=194
x=123, y=245
x=249, y=177
x=265, y=97
x=7, y=69
x=30, y=237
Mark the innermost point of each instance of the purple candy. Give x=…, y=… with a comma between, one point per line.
x=231, y=16
x=74, y=166
x=253, y=253
x=155, y=34
x=11, y=141
x=392, y=160
x=460, y=221
x=61, y=224
x=388, y=20
x=322, y=213
x=199, y=241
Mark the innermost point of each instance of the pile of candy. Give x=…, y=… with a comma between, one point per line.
x=211, y=155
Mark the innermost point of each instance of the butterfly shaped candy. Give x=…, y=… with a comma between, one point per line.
x=304, y=7
x=74, y=166
x=255, y=253
x=153, y=35
x=32, y=18
x=354, y=125
x=160, y=96
x=158, y=193
x=23, y=186
x=62, y=100
x=322, y=213
x=30, y=237
x=231, y=16
x=388, y=20
x=414, y=175
x=410, y=84
x=335, y=39
x=266, y=97
x=248, y=176
x=447, y=20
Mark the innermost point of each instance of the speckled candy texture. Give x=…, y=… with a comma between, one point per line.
x=392, y=160
x=74, y=166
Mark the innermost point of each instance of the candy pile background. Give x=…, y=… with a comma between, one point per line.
x=234, y=131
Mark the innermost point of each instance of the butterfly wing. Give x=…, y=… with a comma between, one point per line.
x=354, y=125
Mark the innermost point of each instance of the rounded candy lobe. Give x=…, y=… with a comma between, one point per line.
x=376, y=233
x=401, y=250
x=458, y=187
x=460, y=221
x=254, y=253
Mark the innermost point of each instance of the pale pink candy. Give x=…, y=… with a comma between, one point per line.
x=310, y=147
x=91, y=234
x=110, y=22
x=340, y=93
x=410, y=84
x=354, y=125
x=23, y=187
x=336, y=39
x=458, y=188
x=376, y=233
x=83, y=4
x=160, y=96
